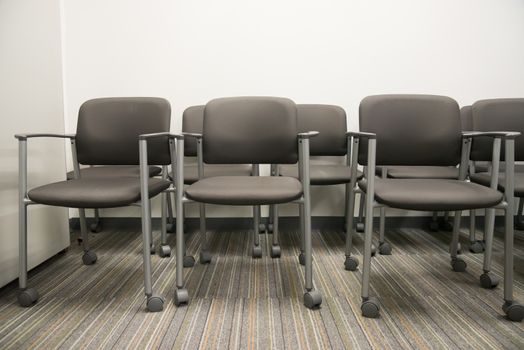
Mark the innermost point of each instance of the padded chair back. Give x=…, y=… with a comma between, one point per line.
x=412, y=129
x=330, y=121
x=192, y=121
x=257, y=130
x=466, y=118
x=108, y=130
x=501, y=114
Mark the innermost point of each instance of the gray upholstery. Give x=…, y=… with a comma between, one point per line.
x=257, y=130
x=503, y=114
x=113, y=171
x=420, y=172
x=412, y=129
x=103, y=192
x=108, y=130
x=433, y=194
x=245, y=190
x=211, y=170
x=330, y=122
x=484, y=179
x=322, y=174
x=193, y=122
x=466, y=118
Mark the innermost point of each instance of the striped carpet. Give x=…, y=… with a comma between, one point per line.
x=241, y=303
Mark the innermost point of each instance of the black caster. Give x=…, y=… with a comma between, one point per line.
x=205, y=257
x=360, y=227
x=181, y=296
x=446, y=226
x=257, y=252
x=519, y=225
x=189, y=261
x=89, y=258
x=373, y=250
x=261, y=228
x=27, y=297
x=171, y=228
x=164, y=251
x=155, y=303
x=384, y=248
x=370, y=308
x=270, y=228
x=302, y=259
x=96, y=227
x=458, y=265
x=434, y=226
x=513, y=310
x=489, y=280
x=476, y=247
x=152, y=249
x=351, y=263
x=275, y=251
x=312, y=299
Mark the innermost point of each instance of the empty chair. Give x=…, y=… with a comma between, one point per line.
x=250, y=130
x=425, y=130
x=108, y=133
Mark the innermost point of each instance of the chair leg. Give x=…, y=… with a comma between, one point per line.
x=270, y=220
x=361, y=209
x=312, y=298
x=301, y=256
x=257, y=249
x=89, y=257
x=275, y=246
x=26, y=296
x=457, y=264
x=181, y=293
x=384, y=248
x=370, y=306
x=171, y=228
x=487, y=279
x=164, y=250
x=261, y=225
x=519, y=221
x=351, y=262
x=433, y=224
x=475, y=246
x=96, y=226
x=205, y=255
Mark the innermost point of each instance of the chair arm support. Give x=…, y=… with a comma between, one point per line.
x=362, y=135
x=493, y=134
x=307, y=135
x=160, y=134
x=192, y=134
x=23, y=137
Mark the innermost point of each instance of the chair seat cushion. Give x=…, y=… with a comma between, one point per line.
x=245, y=190
x=433, y=194
x=106, y=192
x=420, y=172
x=485, y=180
x=113, y=170
x=322, y=174
x=213, y=170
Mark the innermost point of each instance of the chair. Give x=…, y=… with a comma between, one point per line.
x=425, y=130
x=250, y=130
x=330, y=122
x=108, y=133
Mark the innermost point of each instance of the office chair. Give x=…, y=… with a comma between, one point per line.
x=250, y=130
x=108, y=133
x=425, y=130
x=330, y=122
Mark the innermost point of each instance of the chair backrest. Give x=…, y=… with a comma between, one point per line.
x=108, y=129
x=412, y=129
x=192, y=121
x=501, y=114
x=330, y=121
x=257, y=130
x=466, y=118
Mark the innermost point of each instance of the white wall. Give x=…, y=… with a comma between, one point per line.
x=30, y=101
x=329, y=51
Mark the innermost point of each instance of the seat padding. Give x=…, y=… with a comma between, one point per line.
x=420, y=172
x=433, y=194
x=322, y=174
x=113, y=171
x=107, y=192
x=245, y=190
x=485, y=180
x=213, y=170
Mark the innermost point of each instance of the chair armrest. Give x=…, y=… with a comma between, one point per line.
x=307, y=135
x=160, y=134
x=23, y=137
x=193, y=134
x=361, y=135
x=504, y=134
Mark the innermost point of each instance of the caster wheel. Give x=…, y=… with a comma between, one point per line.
x=181, y=296
x=171, y=228
x=514, y=311
x=275, y=251
x=189, y=261
x=262, y=228
x=476, y=247
x=384, y=248
x=164, y=251
x=95, y=228
x=27, y=297
x=360, y=227
x=205, y=257
x=373, y=250
x=351, y=263
x=152, y=249
x=458, y=265
x=257, y=252
x=370, y=308
x=302, y=259
x=155, y=303
x=270, y=228
x=489, y=280
x=89, y=258
x=446, y=226
x=312, y=299
x=434, y=226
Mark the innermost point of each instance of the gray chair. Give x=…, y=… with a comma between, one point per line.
x=330, y=122
x=425, y=130
x=242, y=130
x=108, y=133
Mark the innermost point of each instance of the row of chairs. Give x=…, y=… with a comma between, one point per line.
x=230, y=137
